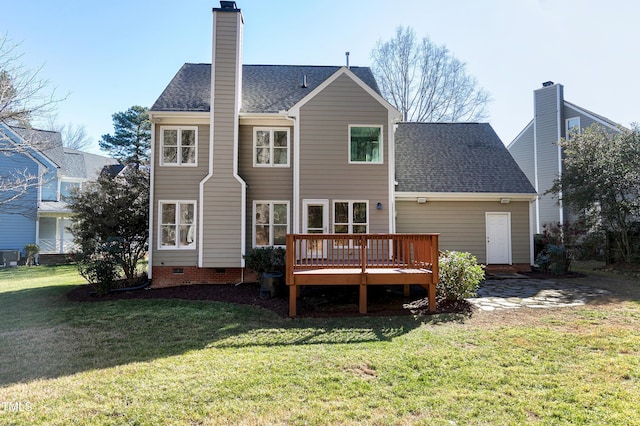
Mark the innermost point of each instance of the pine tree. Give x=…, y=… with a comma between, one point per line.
x=132, y=138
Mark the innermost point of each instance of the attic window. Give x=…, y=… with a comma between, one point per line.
x=572, y=127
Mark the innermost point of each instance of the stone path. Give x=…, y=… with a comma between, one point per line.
x=512, y=293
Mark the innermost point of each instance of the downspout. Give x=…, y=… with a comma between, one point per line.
x=559, y=116
x=151, y=188
x=295, y=229
x=236, y=142
x=535, y=166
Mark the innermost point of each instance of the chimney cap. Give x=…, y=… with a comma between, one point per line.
x=547, y=84
x=228, y=5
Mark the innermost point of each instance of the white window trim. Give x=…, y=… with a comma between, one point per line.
x=253, y=221
x=62, y=180
x=350, y=213
x=271, y=146
x=195, y=224
x=350, y=216
x=566, y=126
x=381, y=127
x=178, y=162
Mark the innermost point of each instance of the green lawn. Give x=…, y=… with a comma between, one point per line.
x=187, y=362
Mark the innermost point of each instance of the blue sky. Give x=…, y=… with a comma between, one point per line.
x=110, y=55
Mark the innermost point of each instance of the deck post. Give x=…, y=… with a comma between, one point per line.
x=363, y=298
x=293, y=296
x=432, y=297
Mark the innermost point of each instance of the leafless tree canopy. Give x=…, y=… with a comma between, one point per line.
x=425, y=81
x=73, y=136
x=23, y=94
x=23, y=98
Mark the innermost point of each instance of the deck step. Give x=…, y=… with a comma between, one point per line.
x=500, y=269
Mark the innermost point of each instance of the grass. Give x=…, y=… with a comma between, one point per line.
x=189, y=362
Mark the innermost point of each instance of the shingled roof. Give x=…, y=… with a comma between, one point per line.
x=455, y=157
x=72, y=163
x=265, y=88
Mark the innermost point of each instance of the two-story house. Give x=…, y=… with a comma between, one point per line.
x=244, y=154
x=536, y=149
x=37, y=212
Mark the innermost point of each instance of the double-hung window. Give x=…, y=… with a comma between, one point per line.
x=270, y=147
x=271, y=223
x=177, y=225
x=178, y=146
x=365, y=144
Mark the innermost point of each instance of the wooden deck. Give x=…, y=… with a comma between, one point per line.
x=362, y=259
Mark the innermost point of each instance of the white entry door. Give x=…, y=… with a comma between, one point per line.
x=315, y=220
x=498, y=238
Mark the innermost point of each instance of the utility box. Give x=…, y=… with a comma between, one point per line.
x=9, y=258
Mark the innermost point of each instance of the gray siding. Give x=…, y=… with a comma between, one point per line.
x=325, y=172
x=522, y=151
x=547, y=131
x=177, y=183
x=567, y=112
x=222, y=197
x=462, y=224
x=264, y=183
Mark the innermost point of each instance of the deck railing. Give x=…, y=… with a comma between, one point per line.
x=336, y=251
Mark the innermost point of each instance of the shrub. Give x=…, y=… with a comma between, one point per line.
x=98, y=265
x=460, y=275
x=265, y=259
x=560, y=244
x=31, y=252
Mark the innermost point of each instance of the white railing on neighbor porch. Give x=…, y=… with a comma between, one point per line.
x=56, y=246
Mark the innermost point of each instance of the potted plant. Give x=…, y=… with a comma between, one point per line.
x=269, y=265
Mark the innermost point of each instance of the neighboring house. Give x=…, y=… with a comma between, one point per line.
x=244, y=154
x=40, y=215
x=458, y=179
x=537, y=153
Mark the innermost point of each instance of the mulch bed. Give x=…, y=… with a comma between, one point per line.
x=321, y=301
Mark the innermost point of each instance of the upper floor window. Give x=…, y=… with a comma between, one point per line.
x=271, y=223
x=270, y=147
x=67, y=188
x=365, y=144
x=572, y=126
x=177, y=225
x=178, y=146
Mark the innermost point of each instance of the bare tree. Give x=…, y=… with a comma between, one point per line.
x=23, y=98
x=425, y=81
x=73, y=136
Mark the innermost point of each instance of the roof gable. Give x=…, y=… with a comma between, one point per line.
x=596, y=117
x=455, y=158
x=41, y=146
x=347, y=71
x=265, y=88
